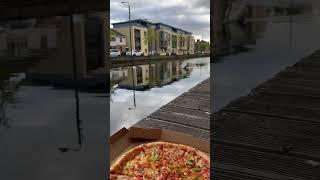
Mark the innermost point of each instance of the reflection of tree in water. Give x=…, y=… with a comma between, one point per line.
x=7, y=96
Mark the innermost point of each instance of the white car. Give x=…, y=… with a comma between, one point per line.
x=115, y=53
x=135, y=53
x=152, y=53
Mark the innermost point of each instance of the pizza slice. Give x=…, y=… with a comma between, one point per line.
x=197, y=164
x=143, y=161
x=172, y=161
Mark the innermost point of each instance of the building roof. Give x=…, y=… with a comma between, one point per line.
x=116, y=33
x=135, y=20
x=172, y=27
x=149, y=23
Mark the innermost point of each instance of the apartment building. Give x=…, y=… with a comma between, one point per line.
x=156, y=37
x=138, y=37
x=117, y=40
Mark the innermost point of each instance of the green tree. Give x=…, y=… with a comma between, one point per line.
x=152, y=35
x=201, y=46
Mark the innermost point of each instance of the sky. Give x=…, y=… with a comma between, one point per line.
x=189, y=15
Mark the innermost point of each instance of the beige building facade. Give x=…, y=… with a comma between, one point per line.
x=138, y=37
x=156, y=38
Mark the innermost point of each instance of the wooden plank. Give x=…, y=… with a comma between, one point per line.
x=191, y=103
x=262, y=123
x=273, y=110
x=257, y=163
x=284, y=100
x=285, y=89
x=156, y=123
x=194, y=118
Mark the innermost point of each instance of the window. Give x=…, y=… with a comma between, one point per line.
x=113, y=38
x=174, y=41
x=120, y=39
x=44, y=42
x=145, y=37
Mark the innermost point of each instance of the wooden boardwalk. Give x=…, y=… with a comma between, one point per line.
x=188, y=113
x=274, y=132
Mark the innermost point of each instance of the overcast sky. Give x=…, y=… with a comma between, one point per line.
x=189, y=15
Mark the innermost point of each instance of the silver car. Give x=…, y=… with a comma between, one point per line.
x=115, y=53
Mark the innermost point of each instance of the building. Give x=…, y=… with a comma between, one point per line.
x=156, y=37
x=138, y=35
x=117, y=40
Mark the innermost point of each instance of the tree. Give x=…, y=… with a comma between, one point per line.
x=152, y=35
x=201, y=46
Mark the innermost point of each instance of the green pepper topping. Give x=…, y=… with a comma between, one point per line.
x=196, y=169
x=155, y=157
x=188, y=162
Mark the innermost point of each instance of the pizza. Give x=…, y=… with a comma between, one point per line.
x=159, y=161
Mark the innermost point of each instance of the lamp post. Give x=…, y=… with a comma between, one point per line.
x=127, y=2
x=134, y=94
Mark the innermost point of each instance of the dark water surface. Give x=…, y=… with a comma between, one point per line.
x=53, y=110
x=152, y=86
x=266, y=38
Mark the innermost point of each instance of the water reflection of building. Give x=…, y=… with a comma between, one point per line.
x=242, y=22
x=138, y=78
x=28, y=40
x=47, y=44
x=142, y=77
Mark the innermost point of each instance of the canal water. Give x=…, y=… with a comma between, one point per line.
x=265, y=39
x=52, y=124
x=137, y=91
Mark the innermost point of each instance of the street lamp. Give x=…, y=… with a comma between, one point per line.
x=134, y=98
x=127, y=2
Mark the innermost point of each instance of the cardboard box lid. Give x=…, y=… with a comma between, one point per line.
x=126, y=139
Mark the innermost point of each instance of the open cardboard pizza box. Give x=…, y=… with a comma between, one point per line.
x=125, y=139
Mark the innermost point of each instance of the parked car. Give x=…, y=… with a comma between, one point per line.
x=115, y=53
x=135, y=53
x=173, y=54
x=152, y=53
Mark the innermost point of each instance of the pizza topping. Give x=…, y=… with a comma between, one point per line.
x=155, y=157
x=201, y=163
x=196, y=169
x=189, y=162
x=148, y=172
